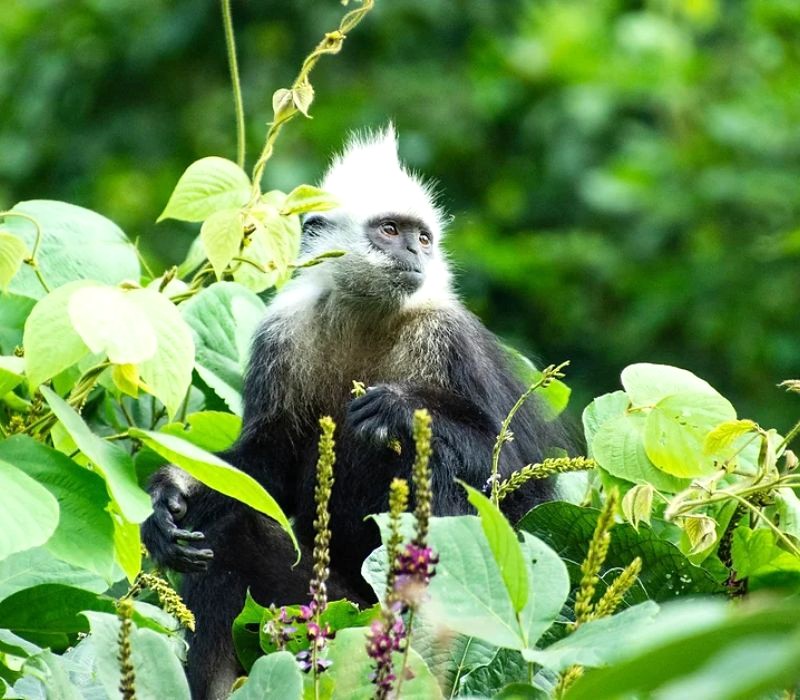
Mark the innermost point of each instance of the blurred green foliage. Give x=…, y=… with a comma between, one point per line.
x=624, y=176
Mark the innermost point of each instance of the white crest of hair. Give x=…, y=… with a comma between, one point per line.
x=369, y=181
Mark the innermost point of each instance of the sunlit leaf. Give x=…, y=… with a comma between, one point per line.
x=207, y=186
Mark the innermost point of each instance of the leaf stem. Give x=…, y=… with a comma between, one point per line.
x=31, y=261
x=505, y=435
x=331, y=43
x=233, y=64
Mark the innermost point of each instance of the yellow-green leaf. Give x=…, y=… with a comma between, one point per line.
x=221, y=234
x=12, y=252
x=306, y=198
x=207, y=186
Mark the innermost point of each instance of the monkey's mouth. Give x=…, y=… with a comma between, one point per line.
x=410, y=279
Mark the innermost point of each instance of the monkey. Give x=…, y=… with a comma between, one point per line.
x=386, y=314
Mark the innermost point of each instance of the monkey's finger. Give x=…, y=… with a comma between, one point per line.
x=194, y=555
x=357, y=414
x=187, y=535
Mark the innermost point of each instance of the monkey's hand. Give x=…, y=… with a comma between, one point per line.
x=380, y=416
x=168, y=544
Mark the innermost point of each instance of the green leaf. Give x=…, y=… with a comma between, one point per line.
x=521, y=691
x=168, y=373
x=450, y=657
x=127, y=545
x=602, y=410
x=76, y=244
x=46, y=673
x=111, y=324
x=504, y=667
x=28, y=512
x=14, y=310
x=637, y=504
x=351, y=669
x=703, y=649
x=666, y=572
x=597, y=642
x=85, y=533
x=468, y=594
x=51, y=343
x=158, y=671
x=701, y=531
x=11, y=373
x=113, y=463
x=37, y=566
x=646, y=384
x=306, y=198
x=207, y=186
x=618, y=447
x=676, y=430
x=273, y=677
x=215, y=473
x=12, y=252
x=213, y=431
x=273, y=246
x=221, y=234
x=554, y=397
x=50, y=608
x=504, y=545
x=223, y=319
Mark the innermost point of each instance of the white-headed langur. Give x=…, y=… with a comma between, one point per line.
x=385, y=314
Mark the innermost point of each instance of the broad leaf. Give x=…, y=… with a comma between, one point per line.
x=158, y=671
x=224, y=318
x=215, y=473
x=504, y=545
x=676, y=430
x=36, y=566
x=351, y=669
x=666, y=572
x=11, y=373
x=646, y=384
x=76, y=244
x=221, y=235
x=213, y=431
x=12, y=252
x=602, y=410
x=703, y=649
x=468, y=594
x=168, y=373
x=598, y=642
x=618, y=447
x=51, y=342
x=273, y=677
x=113, y=462
x=85, y=533
x=28, y=511
x=110, y=323
x=273, y=246
x=207, y=186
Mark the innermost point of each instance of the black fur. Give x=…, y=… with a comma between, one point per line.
x=279, y=448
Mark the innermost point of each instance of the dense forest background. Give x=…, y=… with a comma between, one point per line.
x=624, y=176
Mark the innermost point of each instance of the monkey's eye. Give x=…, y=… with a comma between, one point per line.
x=425, y=238
x=389, y=228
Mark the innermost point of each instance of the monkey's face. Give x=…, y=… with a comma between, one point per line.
x=389, y=258
x=406, y=243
